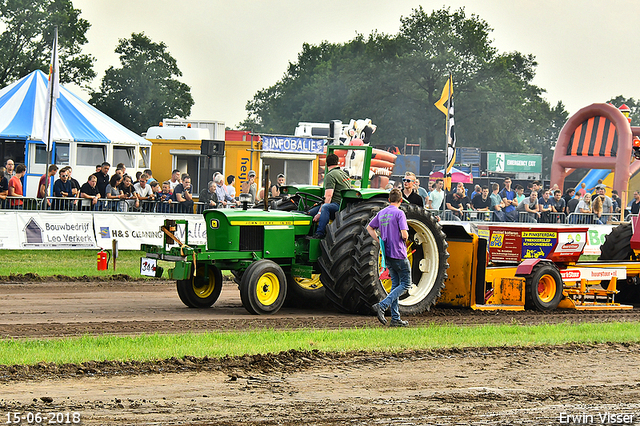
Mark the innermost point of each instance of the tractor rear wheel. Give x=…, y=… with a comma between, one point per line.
x=263, y=287
x=305, y=292
x=427, y=254
x=543, y=290
x=337, y=258
x=617, y=246
x=199, y=292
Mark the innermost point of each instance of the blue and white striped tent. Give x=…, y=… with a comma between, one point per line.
x=82, y=135
x=22, y=114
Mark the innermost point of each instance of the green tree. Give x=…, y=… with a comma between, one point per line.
x=396, y=79
x=143, y=91
x=544, y=133
x=633, y=104
x=27, y=37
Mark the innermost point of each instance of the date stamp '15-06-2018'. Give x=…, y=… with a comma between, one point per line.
x=43, y=417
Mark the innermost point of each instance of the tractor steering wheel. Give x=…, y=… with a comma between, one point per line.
x=309, y=200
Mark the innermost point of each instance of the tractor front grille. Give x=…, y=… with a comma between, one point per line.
x=251, y=238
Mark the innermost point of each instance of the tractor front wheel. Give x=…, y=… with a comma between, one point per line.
x=198, y=291
x=263, y=287
x=543, y=288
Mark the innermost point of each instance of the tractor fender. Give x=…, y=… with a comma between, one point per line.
x=527, y=266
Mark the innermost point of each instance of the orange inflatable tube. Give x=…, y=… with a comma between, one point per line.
x=379, y=154
x=382, y=164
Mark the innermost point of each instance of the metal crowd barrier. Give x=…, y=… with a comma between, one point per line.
x=543, y=217
x=592, y=218
x=148, y=206
x=109, y=205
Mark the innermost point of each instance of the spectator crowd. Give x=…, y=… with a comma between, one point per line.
x=120, y=192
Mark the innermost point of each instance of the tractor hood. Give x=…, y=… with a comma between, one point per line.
x=254, y=217
x=255, y=230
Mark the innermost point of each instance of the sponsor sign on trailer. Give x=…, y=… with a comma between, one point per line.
x=512, y=244
x=592, y=274
x=538, y=244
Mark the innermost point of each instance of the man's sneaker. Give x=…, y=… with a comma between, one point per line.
x=317, y=237
x=380, y=312
x=398, y=323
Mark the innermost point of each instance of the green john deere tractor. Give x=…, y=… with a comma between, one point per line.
x=273, y=259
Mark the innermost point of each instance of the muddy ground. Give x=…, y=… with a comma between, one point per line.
x=596, y=384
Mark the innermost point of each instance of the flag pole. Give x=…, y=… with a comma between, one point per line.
x=447, y=172
x=48, y=142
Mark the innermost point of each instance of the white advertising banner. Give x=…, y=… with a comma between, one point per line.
x=9, y=238
x=595, y=238
x=133, y=229
x=80, y=230
x=41, y=230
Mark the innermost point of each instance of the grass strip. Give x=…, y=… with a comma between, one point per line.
x=162, y=346
x=73, y=263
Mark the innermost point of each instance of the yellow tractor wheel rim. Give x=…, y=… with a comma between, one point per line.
x=312, y=283
x=268, y=288
x=205, y=289
x=387, y=284
x=547, y=288
x=424, y=267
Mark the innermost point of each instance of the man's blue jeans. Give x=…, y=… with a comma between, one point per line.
x=400, y=273
x=325, y=215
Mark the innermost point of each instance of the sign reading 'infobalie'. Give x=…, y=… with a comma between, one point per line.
x=291, y=144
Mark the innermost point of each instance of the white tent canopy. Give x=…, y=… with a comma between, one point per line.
x=22, y=113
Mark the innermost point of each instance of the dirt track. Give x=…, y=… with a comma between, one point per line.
x=472, y=386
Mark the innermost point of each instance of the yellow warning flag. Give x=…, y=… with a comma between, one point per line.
x=447, y=92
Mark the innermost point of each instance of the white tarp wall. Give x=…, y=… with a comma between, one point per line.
x=24, y=230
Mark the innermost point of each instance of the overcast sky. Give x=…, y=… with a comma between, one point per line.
x=587, y=50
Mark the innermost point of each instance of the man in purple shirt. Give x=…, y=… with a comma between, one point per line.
x=392, y=224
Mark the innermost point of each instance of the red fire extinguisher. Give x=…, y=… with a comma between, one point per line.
x=103, y=260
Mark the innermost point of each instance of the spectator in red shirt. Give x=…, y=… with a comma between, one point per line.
x=15, y=186
x=44, y=184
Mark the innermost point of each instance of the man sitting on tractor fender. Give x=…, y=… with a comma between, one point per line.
x=334, y=181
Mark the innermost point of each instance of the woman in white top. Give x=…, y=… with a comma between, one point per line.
x=584, y=206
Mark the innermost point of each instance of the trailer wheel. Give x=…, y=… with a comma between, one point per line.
x=617, y=246
x=337, y=258
x=427, y=254
x=543, y=288
x=199, y=292
x=305, y=292
x=263, y=287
